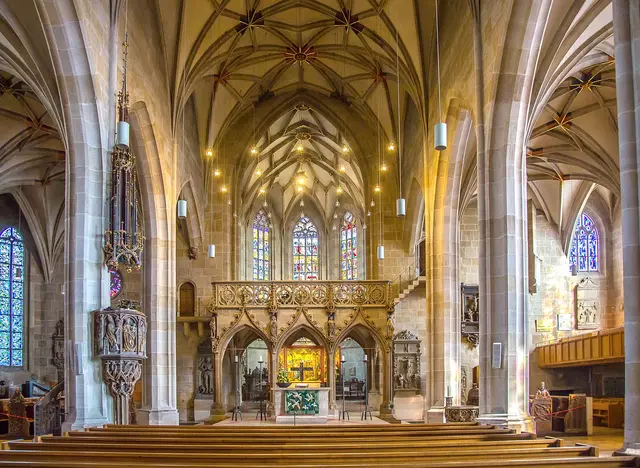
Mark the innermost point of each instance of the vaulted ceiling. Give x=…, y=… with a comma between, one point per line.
x=231, y=56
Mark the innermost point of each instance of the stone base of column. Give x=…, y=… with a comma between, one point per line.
x=435, y=414
x=217, y=414
x=521, y=423
x=153, y=417
x=629, y=449
x=81, y=425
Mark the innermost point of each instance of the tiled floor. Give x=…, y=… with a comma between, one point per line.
x=607, y=440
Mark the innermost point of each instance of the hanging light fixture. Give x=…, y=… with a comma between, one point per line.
x=216, y=172
x=383, y=167
x=440, y=131
x=254, y=150
x=223, y=189
x=209, y=153
x=380, y=252
x=258, y=172
x=391, y=146
x=339, y=190
x=182, y=209
x=345, y=149
x=401, y=204
x=377, y=189
x=342, y=168
x=211, y=251
x=262, y=191
x=299, y=148
x=124, y=241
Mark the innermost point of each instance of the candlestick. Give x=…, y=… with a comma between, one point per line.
x=448, y=390
x=236, y=358
x=366, y=358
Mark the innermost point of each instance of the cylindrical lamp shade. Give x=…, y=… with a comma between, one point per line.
x=182, y=209
x=440, y=136
x=122, y=136
x=401, y=207
x=212, y=251
x=380, y=252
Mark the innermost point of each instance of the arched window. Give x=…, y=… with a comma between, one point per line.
x=348, y=248
x=11, y=297
x=305, y=250
x=261, y=247
x=585, y=245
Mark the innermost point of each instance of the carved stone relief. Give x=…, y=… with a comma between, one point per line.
x=57, y=350
x=204, y=371
x=406, y=361
x=587, y=305
x=470, y=314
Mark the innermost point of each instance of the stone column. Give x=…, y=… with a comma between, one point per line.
x=331, y=371
x=217, y=407
x=502, y=196
x=626, y=28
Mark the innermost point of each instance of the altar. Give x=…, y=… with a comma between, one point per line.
x=307, y=405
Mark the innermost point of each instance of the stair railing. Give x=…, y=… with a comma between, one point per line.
x=405, y=278
x=48, y=412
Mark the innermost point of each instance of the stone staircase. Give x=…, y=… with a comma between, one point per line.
x=409, y=288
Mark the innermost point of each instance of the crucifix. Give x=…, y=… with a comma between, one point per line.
x=301, y=369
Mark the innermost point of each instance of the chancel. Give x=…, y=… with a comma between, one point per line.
x=225, y=214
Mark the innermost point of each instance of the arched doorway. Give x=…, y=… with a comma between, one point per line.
x=304, y=359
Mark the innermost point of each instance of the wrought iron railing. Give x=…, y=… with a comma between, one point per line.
x=283, y=294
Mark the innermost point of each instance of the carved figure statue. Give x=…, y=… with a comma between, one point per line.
x=129, y=331
x=473, y=397
x=142, y=342
x=273, y=326
x=111, y=335
x=331, y=326
x=471, y=308
x=542, y=393
x=402, y=382
x=206, y=375
x=193, y=253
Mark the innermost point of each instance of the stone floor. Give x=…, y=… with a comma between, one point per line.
x=606, y=439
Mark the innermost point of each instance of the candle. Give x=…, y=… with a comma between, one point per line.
x=448, y=390
x=236, y=358
x=365, y=358
x=260, y=360
x=342, y=359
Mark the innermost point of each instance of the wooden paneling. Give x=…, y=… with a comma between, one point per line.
x=605, y=346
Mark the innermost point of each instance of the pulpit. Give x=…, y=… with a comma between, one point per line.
x=306, y=405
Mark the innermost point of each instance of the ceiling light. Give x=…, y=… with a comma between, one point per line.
x=337, y=202
x=269, y=214
x=301, y=203
x=264, y=203
x=339, y=190
x=258, y=172
x=299, y=189
x=262, y=191
x=345, y=149
x=254, y=150
x=216, y=173
x=223, y=189
x=209, y=152
x=335, y=215
x=334, y=227
x=376, y=189
x=301, y=180
x=391, y=147
x=373, y=203
x=299, y=148
x=229, y=201
x=369, y=213
x=342, y=168
x=383, y=167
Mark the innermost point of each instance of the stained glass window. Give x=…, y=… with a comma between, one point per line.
x=585, y=245
x=116, y=284
x=11, y=297
x=305, y=250
x=348, y=248
x=261, y=247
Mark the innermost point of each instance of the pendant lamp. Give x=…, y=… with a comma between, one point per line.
x=440, y=136
x=401, y=207
x=122, y=135
x=212, y=251
x=182, y=209
x=440, y=131
x=380, y=252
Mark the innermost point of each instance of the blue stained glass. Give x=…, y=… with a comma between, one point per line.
x=348, y=246
x=4, y=340
x=583, y=251
x=16, y=340
x=305, y=250
x=11, y=297
x=260, y=254
x=16, y=356
x=17, y=325
x=4, y=357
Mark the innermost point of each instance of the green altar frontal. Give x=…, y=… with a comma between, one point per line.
x=301, y=401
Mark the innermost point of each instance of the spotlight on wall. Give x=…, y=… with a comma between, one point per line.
x=182, y=209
